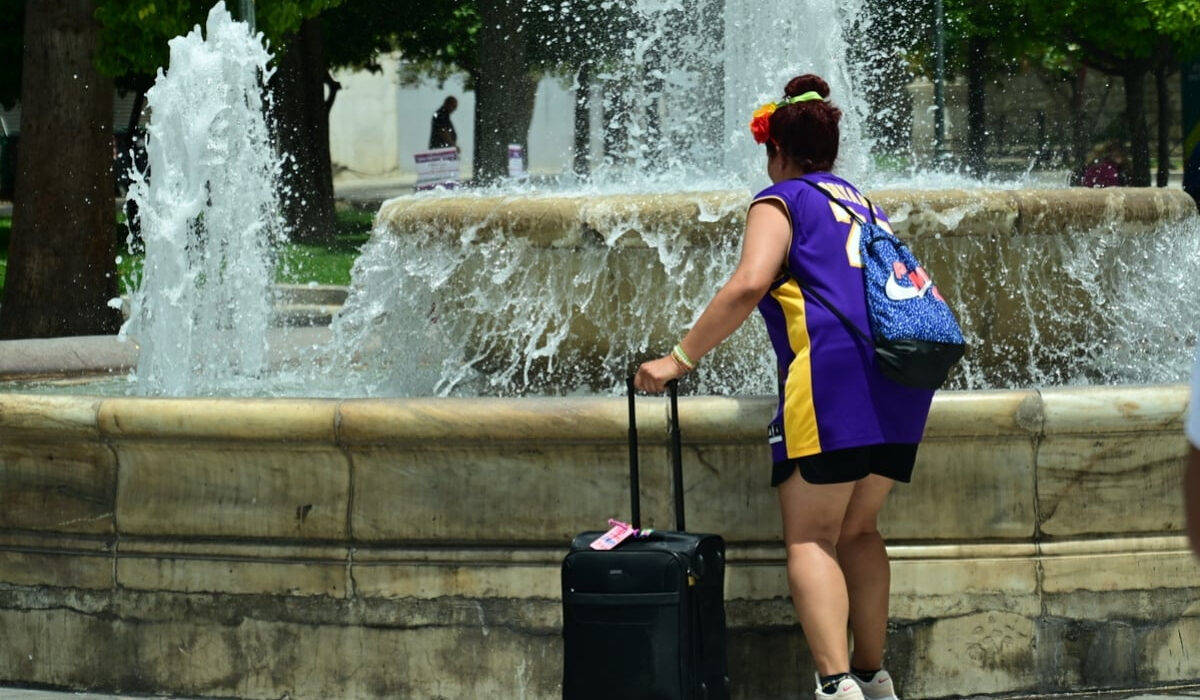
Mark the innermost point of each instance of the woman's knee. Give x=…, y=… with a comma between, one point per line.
x=854, y=529
x=811, y=541
x=812, y=527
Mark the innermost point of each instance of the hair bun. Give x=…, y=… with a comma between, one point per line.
x=806, y=83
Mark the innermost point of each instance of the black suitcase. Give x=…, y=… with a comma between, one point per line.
x=646, y=620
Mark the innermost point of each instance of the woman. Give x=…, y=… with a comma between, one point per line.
x=844, y=432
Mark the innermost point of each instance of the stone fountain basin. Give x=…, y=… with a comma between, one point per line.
x=370, y=548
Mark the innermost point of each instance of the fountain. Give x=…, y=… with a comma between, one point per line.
x=339, y=541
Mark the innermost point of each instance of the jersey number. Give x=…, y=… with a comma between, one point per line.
x=853, y=251
x=853, y=256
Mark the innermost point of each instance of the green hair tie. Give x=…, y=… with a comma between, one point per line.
x=806, y=97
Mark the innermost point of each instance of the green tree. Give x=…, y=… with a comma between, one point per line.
x=1179, y=22
x=1127, y=39
x=986, y=37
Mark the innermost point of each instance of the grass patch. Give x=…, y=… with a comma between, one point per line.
x=303, y=264
x=327, y=264
x=298, y=263
x=892, y=162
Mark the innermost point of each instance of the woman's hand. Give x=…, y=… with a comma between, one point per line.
x=764, y=251
x=652, y=376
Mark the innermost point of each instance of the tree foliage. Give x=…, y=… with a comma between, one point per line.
x=135, y=33
x=1179, y=21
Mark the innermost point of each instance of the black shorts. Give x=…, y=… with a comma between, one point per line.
x=893, y=460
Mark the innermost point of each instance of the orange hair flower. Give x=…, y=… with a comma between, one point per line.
x=760, y=124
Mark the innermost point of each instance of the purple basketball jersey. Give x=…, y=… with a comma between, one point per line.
x=831, y=394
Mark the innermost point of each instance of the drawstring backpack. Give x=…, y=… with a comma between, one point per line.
x=916, y=337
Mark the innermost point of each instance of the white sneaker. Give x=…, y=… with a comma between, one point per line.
x=880, y=687
x=847, y=690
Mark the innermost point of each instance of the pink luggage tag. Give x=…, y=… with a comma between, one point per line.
x=617, y=533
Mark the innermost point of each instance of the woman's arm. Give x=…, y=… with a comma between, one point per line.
x=764, y=251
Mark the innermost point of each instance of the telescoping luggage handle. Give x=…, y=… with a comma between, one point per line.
x=676, y=445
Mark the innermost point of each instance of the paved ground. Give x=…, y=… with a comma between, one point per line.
x=22, y=694
x=1165, y=693
x=1158, y=694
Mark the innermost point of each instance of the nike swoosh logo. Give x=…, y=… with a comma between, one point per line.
x=897, y=293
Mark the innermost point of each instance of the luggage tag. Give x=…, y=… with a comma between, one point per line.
x=618, y=532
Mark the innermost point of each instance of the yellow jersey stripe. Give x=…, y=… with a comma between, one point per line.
x=799, y=415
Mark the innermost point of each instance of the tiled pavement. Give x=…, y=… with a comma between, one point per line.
x=1171, y=693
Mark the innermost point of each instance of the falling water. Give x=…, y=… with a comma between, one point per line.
x=484, y=311
x=766, y=44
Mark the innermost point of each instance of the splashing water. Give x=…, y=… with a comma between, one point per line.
x=209, y=216
x=490, y=311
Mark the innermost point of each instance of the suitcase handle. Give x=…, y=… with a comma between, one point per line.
x=676, y=444
x=676, y=455
x=635, y=510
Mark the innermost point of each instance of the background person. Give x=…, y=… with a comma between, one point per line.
x=1107, y=168
x=441, y=129
x=844, y=432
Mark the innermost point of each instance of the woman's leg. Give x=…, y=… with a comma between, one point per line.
x=864, y=563
x=812, y=521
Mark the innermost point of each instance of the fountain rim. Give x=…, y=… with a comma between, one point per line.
x=556, y=220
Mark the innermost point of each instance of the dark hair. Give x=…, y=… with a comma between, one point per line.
x=806, y=133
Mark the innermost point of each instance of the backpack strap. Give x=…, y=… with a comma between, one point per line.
x=817, y=295
x=836, y=312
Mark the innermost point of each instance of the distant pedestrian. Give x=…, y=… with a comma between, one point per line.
x=441, y=129
x=1107, y=168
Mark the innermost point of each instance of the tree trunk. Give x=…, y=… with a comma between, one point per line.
x=711, y=136
x=1163, y=103
x=977, y=106
x=504, y=88
x=583, y=121
x=1080, y=139
x=615, y=112
x=1135, y=123
x=302, y=133
x=62, y=253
